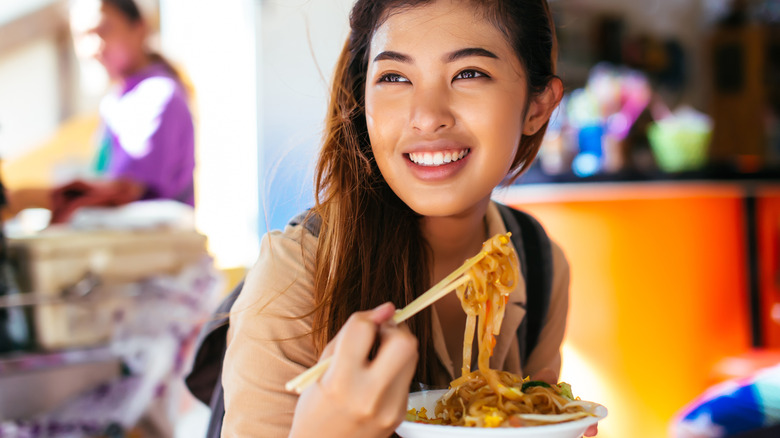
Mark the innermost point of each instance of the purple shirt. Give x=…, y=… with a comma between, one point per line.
x=152, y=135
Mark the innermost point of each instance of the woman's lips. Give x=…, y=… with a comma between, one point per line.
x=437, y=165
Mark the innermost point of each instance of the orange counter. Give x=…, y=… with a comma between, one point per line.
x=660, y=290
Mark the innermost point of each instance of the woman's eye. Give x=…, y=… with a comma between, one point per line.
x=392, y=77
x=470, y=74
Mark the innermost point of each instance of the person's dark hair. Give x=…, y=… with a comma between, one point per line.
x=371, y=249
x=131, y=11
x=128, y=8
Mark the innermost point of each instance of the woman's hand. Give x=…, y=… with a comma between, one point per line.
x=358, y=397
x=66, y=199
x=549, y=376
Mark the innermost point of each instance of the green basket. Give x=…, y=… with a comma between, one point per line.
x=678, y=146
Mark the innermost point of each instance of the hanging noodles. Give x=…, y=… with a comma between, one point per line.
x=491, y=398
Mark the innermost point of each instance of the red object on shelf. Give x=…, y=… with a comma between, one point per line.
x=768, y=233
x=745, y=365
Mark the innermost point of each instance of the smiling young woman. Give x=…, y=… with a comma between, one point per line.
x=434, y=104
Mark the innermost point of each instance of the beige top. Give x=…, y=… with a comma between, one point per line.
x=268, y=343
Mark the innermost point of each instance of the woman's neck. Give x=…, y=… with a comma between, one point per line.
x=143, y=61
x=453, y=239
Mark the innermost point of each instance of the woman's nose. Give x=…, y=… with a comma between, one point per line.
x=431, y=110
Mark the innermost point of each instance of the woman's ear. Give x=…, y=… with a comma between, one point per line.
x=542, y=106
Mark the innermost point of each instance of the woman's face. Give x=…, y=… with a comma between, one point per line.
x=102, y=32
x=445, y=100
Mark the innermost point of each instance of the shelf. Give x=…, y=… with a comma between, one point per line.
x=714, y=173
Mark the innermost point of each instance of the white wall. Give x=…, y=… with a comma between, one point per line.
x=12, y=9
x=301, y=41
x=29, y=96
x=261, y=100
x=215, y=43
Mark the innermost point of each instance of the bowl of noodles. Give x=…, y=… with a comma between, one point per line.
x=488, y=402
x=415, y=427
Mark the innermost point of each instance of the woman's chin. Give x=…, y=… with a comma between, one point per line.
x=441, y=208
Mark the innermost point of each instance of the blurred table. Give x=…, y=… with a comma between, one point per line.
x=32, y=383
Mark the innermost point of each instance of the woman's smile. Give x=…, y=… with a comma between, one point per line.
x=436, y=161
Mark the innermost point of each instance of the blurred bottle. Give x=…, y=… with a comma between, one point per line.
x=588, y=161
x=584, y=113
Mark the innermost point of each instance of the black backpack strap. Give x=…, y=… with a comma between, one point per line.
x=311, y=222
x=535, y=253
x=217, y=406
x=211, y=345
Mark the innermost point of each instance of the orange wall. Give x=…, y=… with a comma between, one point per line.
x=658, y=296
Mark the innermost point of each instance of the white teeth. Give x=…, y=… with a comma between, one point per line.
x=436, y=158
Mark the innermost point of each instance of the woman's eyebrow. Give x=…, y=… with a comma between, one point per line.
x=468, y=52
x=390, y=55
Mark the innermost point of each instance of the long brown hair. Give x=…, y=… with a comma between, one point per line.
x=371, y=249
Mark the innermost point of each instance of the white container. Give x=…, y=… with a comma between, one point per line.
x=427, y=400
x=55, y=260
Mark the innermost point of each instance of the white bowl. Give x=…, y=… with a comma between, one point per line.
x=427, y=399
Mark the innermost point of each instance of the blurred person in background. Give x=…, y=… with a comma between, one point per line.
x=147, y=141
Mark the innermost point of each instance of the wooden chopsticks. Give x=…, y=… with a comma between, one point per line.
x=440, y=289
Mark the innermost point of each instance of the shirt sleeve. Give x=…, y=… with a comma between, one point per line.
x=547, y=353
x=269, y=340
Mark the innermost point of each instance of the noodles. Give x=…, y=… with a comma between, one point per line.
x=473, y=402
x=493, y=278
x=491, y=398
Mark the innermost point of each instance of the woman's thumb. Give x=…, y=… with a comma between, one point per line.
x=382, y=313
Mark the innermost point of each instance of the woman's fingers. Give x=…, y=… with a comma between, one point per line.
x=357, y=337
x=397, y=349
x=328, y=351
x=351, y=347
x=378, y=315
x=393, y=370
x=546, y=375
x=551, y=377
x=370, y=392
x=367, y=396
x=382, y=313
x=397, y=355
